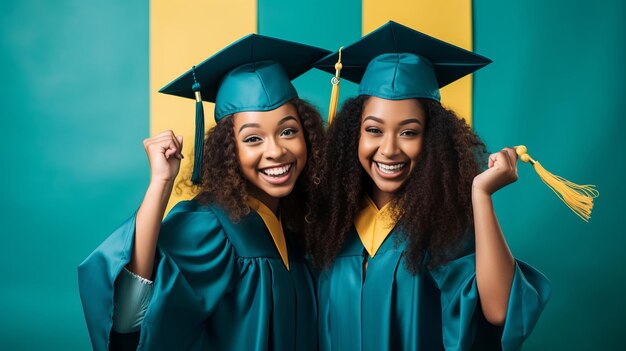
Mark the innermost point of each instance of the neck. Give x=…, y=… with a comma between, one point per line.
x=271, y=202
x=380, y=198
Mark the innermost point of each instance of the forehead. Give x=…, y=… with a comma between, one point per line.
x=265, y=119
x=393, y=110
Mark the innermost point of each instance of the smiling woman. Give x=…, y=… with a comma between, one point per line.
x=410, y=248
x=242, y=139
x=391, y=142
x=272, y=151
x=226, y=270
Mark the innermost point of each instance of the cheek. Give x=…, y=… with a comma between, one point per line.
x=415, y=150
x=365, y=152
x=367, y=147
x=300, y=150
x=247, y=159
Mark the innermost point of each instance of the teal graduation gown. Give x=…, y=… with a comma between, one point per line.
x=392, y=309
x=218, y=285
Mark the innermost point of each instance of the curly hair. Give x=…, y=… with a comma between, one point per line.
x=433, y=208
x=223, y=183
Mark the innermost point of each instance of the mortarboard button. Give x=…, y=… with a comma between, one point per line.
x=396, y=62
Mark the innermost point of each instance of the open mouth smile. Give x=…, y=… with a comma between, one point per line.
x=390, y=170
x=277, y=174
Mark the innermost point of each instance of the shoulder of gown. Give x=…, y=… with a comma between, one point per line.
x=463, y=324
x=195, y=266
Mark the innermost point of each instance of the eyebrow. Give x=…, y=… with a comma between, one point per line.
x=285, y=119
x=375, y=119
x=249, y=125
x=411, y=120
x=406, y=121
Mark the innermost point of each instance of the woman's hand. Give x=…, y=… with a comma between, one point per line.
x=502, y=171
x=495, y=266
x=164, y=152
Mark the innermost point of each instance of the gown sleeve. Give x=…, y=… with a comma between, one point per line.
x=463, y=324
x=195, y=266
x=132, y=295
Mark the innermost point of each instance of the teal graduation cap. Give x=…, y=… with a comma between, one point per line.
x=396, y=62
x=251, y=74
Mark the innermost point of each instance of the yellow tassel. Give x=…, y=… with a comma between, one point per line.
x=334, y=95
x=579, y=198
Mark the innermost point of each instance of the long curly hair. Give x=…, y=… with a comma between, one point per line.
x=223, y=183
x=433, y=208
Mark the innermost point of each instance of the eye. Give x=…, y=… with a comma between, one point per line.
x=373, y=130
x=252, y=139
x=289, y=132
x=410, y=133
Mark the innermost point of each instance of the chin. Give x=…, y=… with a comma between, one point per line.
x=278, y=192
x=386, y=187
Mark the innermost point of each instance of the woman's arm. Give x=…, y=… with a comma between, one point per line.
x=495, y=266
x=164, y=153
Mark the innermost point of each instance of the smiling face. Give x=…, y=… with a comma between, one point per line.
x=271, y=150
x=392, y=137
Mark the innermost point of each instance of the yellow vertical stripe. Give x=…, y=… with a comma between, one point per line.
x=182, y=34
x=448, y=20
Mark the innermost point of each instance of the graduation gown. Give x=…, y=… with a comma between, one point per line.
x=392, y=309
x=218, y=285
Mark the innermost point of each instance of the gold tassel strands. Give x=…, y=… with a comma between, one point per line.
x=334, y=95
x=579, y=198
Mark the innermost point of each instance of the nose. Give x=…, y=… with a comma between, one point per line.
x=274, y=150
x=389, y=146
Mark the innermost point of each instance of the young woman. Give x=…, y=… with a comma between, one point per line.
x=224, y=271
x=411, y=252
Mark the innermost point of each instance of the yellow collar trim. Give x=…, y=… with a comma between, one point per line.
x=274, y=225
x=373, y=225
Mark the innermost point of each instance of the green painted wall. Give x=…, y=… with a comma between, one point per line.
x=557, y=84
x=74, y=102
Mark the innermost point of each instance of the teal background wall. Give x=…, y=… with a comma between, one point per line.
x=74, y=110
x=325, y=23
x=557, y=84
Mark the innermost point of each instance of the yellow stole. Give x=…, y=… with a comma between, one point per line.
x=274, y=225
x=373, y=225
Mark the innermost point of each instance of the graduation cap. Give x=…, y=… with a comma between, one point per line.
x=251, y=74
x=395, y=62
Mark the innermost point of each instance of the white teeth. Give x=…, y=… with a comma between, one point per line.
x=390, y=168
x=277, y=171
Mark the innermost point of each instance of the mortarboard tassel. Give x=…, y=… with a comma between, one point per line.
x=579, y=198
x=199, y=141
x=334, y=95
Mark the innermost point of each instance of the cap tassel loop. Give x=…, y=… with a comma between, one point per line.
x=579, y=198
x=196, y=176
x=334, y=95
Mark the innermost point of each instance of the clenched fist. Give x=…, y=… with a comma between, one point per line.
x=164, y=152
x=502, y=171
